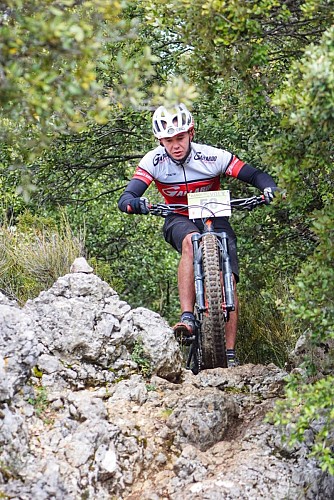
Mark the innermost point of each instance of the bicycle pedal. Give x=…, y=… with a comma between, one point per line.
x=184, y=339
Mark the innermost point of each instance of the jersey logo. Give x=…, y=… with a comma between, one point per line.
x=199, y=156
x=159, y=158
x=176, y=191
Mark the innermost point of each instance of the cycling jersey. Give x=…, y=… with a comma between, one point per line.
x=200, y=171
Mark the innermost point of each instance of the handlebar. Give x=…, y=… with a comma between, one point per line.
x=162, y=210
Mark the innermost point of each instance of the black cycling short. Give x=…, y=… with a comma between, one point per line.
x=177, y=227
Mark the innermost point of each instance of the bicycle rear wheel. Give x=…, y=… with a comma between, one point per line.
x=213, y=325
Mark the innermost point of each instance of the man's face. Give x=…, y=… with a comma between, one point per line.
x=177, y=147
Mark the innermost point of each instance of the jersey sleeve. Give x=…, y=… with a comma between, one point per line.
x=141, y=179
x=143, y=175
x=256, y=177
x=135, y=189
x=251, y=175
x=234, y=166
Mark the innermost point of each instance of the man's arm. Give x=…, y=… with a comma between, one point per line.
x=246, y=173
x=256, y=177
x=135, y=189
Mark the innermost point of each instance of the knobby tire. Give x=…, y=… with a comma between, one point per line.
x=213, y=325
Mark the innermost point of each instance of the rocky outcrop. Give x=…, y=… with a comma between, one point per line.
x=94, y=403
x=320, y=354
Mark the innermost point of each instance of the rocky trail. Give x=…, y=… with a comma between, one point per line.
x=80, y=418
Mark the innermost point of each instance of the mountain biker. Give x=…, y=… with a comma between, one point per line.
x=179, y=166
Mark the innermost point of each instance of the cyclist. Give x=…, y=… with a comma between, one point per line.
x=179, y=166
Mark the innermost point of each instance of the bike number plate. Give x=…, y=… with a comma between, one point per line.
x=209, y=204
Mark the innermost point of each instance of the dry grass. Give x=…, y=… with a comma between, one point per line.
x=34, y=254
x=266, y=332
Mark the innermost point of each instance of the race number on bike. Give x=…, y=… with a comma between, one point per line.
x=209, y=204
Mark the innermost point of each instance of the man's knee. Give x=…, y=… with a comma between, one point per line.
x=187, y=246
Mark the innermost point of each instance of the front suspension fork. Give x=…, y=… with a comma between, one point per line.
x=226, y=271
x=198, y=273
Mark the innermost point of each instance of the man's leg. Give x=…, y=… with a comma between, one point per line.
x=186, y=282
x=232, y=325
x=186, y=287
x=231, y=333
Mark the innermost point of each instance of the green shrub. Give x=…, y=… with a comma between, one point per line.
x=308, y=410
x=139, y=356
x=40, y=401
x=309, y=404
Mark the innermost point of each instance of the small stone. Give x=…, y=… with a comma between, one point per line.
x=80, y=265
x=161, y=458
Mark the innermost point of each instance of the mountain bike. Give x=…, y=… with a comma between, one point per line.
x=213, y=276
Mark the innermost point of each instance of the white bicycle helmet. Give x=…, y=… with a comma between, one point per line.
x=169, y=123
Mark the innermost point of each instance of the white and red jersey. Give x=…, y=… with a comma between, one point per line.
x=201, y=171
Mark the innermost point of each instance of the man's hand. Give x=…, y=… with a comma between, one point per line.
x=138, y=206
x=269, y=194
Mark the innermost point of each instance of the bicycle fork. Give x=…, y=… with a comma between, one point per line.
x=228, y=288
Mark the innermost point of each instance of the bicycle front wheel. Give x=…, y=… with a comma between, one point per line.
x=213, y=325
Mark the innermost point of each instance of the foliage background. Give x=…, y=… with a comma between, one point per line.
x=78, y=83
